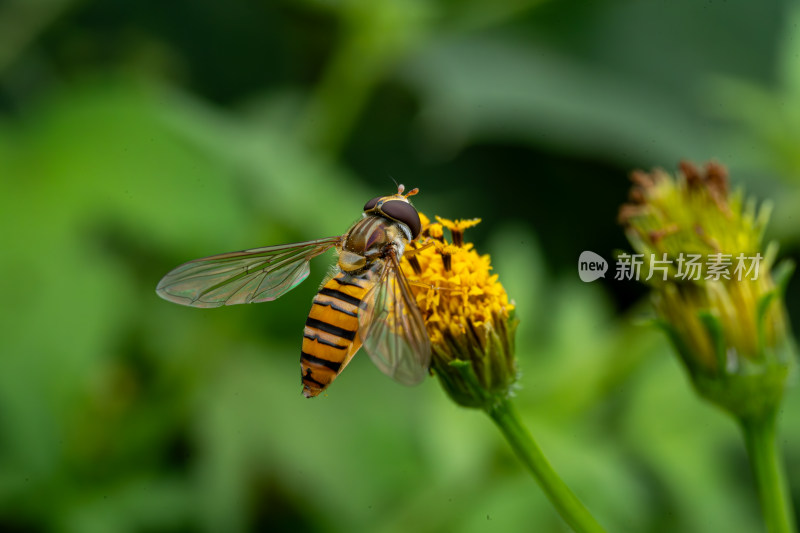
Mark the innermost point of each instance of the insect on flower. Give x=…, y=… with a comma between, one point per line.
x=368, y=301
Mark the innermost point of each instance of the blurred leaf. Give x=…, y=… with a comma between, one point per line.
x=492, y=87
x=692, y=449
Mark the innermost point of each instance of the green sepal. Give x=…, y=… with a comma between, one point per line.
x=761, y=315
x=753, y=392
x=478, y=367
x=717, y=334
x=782, y=274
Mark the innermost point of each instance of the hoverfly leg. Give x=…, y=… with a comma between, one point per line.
x=420, y=284
x=433, y=287
x=410, y=254
x=412, y=249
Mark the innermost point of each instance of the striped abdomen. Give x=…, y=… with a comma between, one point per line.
x=330, y=338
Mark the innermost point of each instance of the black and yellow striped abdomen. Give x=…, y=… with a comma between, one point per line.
x=330, y=338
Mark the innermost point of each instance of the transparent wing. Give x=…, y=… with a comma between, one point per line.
x=392, y=328
x=250, y=276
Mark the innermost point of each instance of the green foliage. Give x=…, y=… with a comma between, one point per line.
x=125, y=149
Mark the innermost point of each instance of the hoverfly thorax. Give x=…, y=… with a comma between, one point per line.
x=367, y=240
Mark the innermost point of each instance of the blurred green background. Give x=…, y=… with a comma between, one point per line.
x=137, y=135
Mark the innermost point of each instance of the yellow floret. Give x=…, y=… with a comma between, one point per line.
x=454, y=287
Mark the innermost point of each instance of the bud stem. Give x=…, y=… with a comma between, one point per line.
x=767, y=464
x=566, y=503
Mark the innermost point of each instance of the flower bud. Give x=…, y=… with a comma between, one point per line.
x=726, y=317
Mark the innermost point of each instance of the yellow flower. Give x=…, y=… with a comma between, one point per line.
x=467, y=313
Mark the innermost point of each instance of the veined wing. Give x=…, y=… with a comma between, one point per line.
x=392, y=329
x=249, y=276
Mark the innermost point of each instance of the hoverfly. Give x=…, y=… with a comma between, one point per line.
x=368, y=301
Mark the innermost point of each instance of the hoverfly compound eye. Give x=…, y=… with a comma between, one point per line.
x=372, y=203
x=403, y=212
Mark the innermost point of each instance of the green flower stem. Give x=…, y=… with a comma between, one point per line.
x=565, y=502
x=759, y=436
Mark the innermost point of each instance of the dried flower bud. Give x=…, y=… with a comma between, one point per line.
x=726, y=319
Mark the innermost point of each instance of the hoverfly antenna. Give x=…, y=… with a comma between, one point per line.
x=412, y=192
x=400, y=188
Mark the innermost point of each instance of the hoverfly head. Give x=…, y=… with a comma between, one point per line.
x=397, y=207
